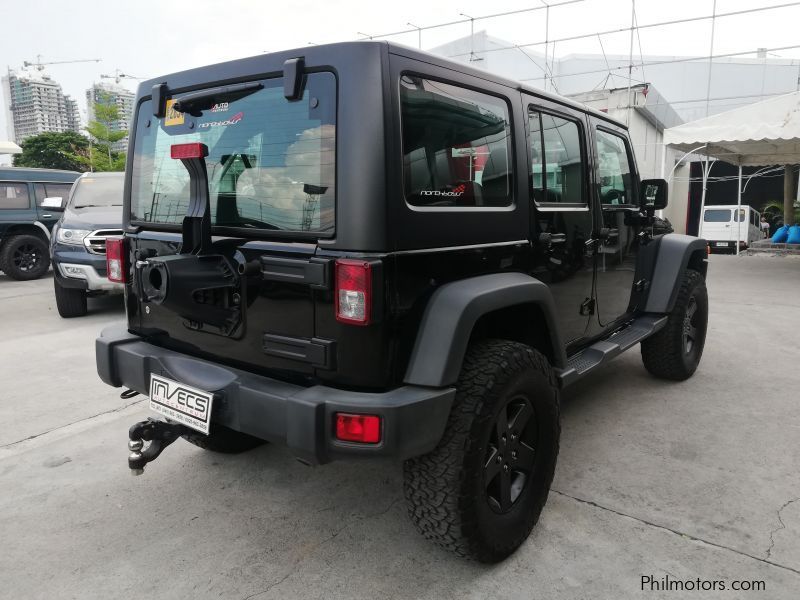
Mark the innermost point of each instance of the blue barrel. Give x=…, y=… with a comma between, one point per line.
x=794, y=235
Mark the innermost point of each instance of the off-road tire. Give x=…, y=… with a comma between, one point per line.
x=446, y=495
x=665, y=354
x=224, y=440
x=71, y=302
x=13, y=264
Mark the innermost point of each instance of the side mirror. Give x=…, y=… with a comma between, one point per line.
x=654, y=194
x=53, y=203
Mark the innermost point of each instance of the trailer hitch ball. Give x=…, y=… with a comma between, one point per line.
x=135, y=446
x=159, y=434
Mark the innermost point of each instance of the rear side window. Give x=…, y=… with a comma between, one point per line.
x=557, y=174
x=14, y=196
x=717, y=216
x=271, y=162
x=456, y=146
x=51, y=190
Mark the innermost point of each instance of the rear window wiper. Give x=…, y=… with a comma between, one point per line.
x=195, y=103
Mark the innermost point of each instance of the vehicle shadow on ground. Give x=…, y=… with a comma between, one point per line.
x=342, y=517
x=112, y=303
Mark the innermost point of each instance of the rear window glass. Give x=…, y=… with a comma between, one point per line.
x=98, y=191
x=14, y=196
x=456, y=146
x=717, y=216
x=270, y=163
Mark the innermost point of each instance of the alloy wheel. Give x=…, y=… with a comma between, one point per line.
x=510, y=455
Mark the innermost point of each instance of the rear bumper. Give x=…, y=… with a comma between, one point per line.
x=725, y=244
x=413, y=417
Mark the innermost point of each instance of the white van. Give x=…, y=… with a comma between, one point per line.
x=721, y=227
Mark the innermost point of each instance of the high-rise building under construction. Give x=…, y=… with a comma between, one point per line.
x=115, y=95
x=36, y=104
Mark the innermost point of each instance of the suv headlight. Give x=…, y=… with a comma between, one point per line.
x=71, y=236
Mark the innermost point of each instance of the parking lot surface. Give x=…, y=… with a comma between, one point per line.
x=683, y=481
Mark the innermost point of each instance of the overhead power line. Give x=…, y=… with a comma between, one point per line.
x=627, y=29
x=668, y=62
x=467, y=20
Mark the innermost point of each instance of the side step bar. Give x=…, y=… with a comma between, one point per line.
x=603, y=351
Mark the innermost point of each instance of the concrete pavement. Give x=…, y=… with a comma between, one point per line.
x=684, y=481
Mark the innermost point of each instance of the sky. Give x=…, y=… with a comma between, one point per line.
x=148, y=38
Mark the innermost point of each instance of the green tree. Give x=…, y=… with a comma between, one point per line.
x=98, y=157
x=54, y=151
x=101, y=129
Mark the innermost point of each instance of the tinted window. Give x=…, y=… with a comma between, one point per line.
x=270, y=163
x=556, y=160
x=456, y=146
x=614, y=172
x=98, y=191
x=51, y=190
x=717, y=216
x=14, y=195
x=742, y=215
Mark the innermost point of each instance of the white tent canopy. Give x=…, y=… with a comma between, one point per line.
x=9, y=148
x=763, y=133
x=759, y=134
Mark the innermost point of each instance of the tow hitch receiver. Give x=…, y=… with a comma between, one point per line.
x=160, y=434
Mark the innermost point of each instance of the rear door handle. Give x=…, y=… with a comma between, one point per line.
x=47, y=216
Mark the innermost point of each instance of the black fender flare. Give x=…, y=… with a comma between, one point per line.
x=451, y=314
x=675, y=252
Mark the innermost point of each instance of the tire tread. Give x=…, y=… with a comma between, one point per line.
x=437, y=486
x=661, y=352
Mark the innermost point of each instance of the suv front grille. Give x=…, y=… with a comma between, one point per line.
x=95, y=242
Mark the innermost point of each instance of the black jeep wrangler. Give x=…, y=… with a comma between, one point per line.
x=364, y=250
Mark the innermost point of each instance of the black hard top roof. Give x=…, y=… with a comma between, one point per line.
x=327, y=52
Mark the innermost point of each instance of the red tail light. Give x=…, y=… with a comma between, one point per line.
x=358, y=428
x=116, y=260
x=353, y=291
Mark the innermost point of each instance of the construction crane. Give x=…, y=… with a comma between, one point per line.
x=119, y=75
x=41, y=65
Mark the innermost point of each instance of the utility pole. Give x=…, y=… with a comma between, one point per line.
x=711, y=54
x=546, y=38
x=419, y=34
x=472, y=57
x=630, y=65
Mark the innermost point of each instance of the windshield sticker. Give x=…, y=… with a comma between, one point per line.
x=232, y=121
x=221, y=107
x=173, y=117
